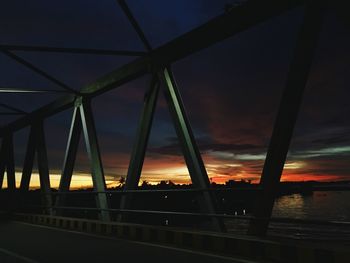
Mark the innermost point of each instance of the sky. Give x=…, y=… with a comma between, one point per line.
x=231, y=90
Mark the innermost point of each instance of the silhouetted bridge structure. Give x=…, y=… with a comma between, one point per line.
x=209, y=235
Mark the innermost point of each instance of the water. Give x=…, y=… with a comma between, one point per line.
x=321, y=205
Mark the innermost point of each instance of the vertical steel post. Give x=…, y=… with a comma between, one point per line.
x=69, y=158
x=93, y=151
x=188, y=144
x=139, y=148
x=287, y=116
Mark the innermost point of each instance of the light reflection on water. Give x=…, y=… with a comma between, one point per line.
x=322, y=205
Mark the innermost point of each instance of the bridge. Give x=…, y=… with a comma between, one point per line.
x=92, y=226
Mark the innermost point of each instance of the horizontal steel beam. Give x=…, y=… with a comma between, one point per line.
x=24, y=90
x=90, y=51
x=283, y=220
x=236, y=20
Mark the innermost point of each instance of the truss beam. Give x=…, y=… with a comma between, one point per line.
x=13, y=109
x=135, y=24
x=83, y=121
x=25, y=91
x=88, y=51
x=69, y=159
x=188, y=145
x=37, y=144
x=237, y=20
x=38, y=71
x=287, y=116
x=7, y=162
x=140, y=143
x=59, y=105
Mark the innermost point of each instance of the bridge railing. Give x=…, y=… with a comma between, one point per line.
x=235, y=222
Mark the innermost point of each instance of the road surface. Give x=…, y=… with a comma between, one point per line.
x=26, y=243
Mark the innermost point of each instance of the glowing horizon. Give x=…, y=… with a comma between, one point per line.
x=178, y=173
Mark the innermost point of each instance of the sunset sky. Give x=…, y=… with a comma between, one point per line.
x=231, y=90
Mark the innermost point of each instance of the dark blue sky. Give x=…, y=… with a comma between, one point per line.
x=231, y=90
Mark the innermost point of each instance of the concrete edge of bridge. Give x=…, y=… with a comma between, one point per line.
x=231, y=245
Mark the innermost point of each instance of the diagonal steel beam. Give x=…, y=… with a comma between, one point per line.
x=92, y=147
x=188, y=145
x=287, y=116
x=140, y=144
x=69, y=158
x=38, y=71
x=43, y=168
x=83, y=121
x=135, y=24
x=28, y=160
x=16, y=110
x=61, y=104
x=37, y=144
x=10, y=162
x=7, y=162
x=72, y=50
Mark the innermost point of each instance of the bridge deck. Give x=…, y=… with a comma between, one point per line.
x=33, y=243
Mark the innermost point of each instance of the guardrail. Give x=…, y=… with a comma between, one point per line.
x=246, y=217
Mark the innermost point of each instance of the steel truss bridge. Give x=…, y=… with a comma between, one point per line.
x=157, y=63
